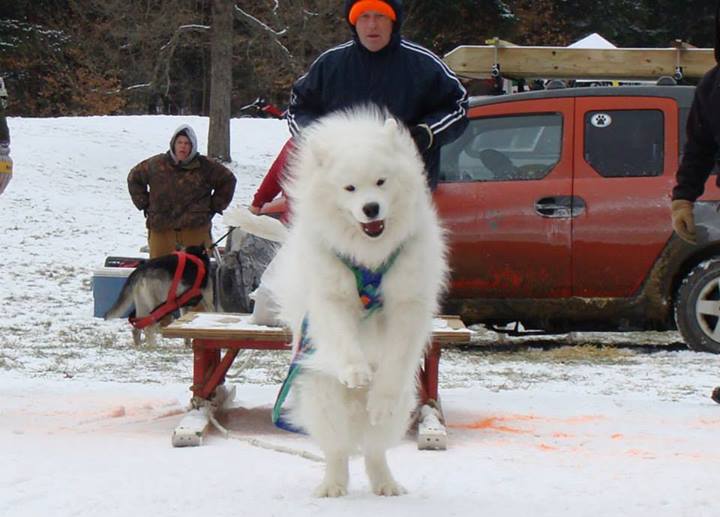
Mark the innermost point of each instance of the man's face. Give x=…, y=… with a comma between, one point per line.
x=374, y=30
x=182, y=148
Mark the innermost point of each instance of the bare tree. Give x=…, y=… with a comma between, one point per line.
x=220, y=79
x=278, y=40
x=155, y=48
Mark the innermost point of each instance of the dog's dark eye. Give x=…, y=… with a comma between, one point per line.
x=381, y=182
x=350, y=188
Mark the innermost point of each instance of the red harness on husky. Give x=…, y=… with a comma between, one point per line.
x=174, y=302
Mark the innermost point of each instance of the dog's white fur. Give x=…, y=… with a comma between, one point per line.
x=357, y=390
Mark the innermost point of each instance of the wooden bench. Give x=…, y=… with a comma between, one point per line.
x=211, y=333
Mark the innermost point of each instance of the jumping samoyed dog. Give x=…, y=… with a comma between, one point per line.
x=359, y=202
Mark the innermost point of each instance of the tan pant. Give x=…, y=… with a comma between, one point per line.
x=166, y=241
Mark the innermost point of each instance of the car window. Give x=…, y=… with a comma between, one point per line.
x=623, y=143
x=507, y=148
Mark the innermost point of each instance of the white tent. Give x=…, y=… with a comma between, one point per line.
x=596, y=42
x=593, y=41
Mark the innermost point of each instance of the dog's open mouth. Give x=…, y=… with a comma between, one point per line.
x=373, y=228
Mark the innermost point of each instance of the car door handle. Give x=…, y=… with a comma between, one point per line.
x=560, y=206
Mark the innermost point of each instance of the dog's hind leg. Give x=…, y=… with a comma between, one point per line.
x=137, y=336
x=378, y=438
x=323, y=408
x=337, y=474
x=151, y=335
x=145, y=301
x=378, y=472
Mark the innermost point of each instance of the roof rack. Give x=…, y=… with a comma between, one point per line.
x=502, y=58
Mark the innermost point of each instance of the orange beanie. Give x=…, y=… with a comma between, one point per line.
x=370, y=5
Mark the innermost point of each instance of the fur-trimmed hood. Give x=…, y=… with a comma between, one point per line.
x=188, y=131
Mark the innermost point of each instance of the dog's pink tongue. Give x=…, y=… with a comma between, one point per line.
x=374, y=228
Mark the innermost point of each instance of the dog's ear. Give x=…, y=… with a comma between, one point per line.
x=321, y=154
x=195, y=250
x=392, y=129
x=391, y=124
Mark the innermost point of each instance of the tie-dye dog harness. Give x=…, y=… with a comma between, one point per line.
x=368, y=283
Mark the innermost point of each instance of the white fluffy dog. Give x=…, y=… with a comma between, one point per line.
x=359, y=201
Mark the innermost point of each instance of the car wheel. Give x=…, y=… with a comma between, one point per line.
x=697, y=307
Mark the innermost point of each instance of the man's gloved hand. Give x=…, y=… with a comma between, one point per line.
x=683, y=220
x=6, y=167
x=422, y=136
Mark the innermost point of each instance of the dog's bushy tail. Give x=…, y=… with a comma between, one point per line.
x=125, y=299
x=262, y=226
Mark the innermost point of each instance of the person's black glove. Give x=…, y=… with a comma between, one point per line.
x=422, y=136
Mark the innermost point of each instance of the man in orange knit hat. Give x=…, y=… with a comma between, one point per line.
x=379, y=66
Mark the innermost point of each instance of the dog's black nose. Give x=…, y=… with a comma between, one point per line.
x=371, y=210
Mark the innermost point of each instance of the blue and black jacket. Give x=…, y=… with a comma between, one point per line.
x=408, y=80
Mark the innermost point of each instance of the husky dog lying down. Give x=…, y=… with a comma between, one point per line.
x=147, y=287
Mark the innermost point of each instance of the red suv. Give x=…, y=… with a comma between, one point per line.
x=557, y=204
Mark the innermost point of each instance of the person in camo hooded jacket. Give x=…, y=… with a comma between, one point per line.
x=180, y=191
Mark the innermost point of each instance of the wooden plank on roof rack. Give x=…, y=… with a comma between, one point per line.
x=476, y=61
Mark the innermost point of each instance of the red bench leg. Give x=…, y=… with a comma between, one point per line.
x=205, y=361
x=217, y=376
x=432, y=433
x=429, y=375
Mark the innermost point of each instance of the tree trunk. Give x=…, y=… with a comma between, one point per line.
x=220, y=80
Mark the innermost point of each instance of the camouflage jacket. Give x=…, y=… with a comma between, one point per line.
x=180, y=196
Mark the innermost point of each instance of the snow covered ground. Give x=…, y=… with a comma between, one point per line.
x=86, y=418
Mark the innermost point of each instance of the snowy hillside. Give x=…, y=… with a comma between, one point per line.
x=85, y=418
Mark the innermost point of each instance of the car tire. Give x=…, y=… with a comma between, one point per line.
x=697, y=307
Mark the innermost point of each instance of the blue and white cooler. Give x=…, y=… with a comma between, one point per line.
x=107, y=282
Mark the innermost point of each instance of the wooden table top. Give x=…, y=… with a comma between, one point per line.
x=233, y=326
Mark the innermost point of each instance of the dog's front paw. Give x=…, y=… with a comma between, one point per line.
x=355, y=375
x=330, y=489
x=381, y=406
